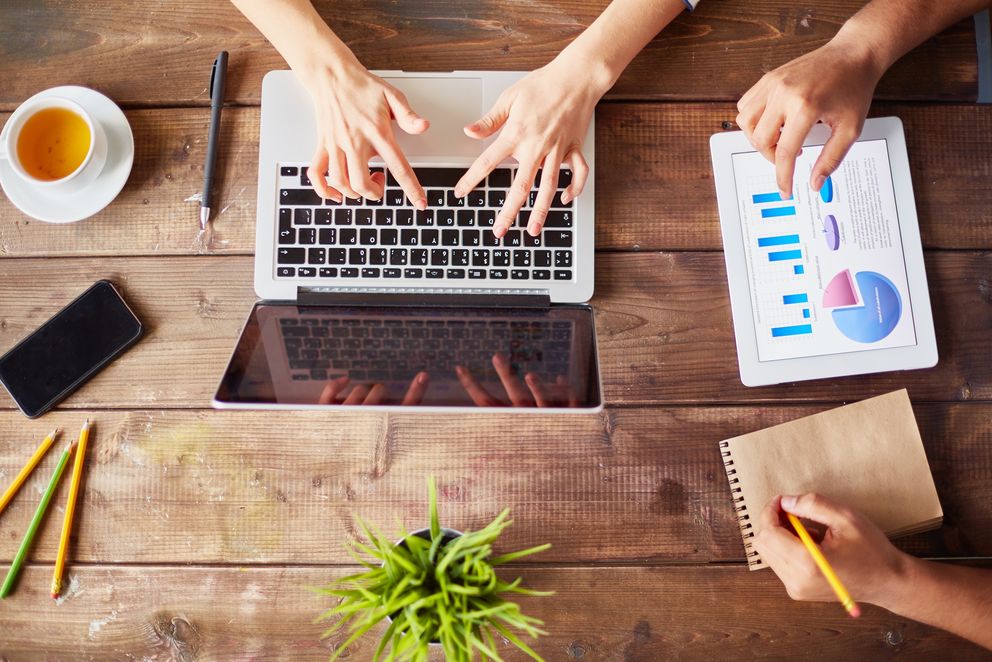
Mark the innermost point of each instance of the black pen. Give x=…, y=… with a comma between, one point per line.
x=217, y=78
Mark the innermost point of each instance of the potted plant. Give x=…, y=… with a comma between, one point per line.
x=436, y=587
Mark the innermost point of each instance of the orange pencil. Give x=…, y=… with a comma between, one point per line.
x=828, y=572
x=70, y=509
x=28, y=468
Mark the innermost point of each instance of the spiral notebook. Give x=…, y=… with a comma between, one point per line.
x=868, y=455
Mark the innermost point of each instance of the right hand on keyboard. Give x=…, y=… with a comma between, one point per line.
x=337, y=392
x=528, y=392
x=354, y=110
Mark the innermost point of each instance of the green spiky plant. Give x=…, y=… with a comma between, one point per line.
x=440, y=590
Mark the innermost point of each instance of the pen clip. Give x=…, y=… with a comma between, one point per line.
x=213, y=73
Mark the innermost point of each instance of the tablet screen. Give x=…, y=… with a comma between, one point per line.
x=827, y=270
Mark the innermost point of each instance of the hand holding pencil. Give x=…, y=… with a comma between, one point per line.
x=862, y=562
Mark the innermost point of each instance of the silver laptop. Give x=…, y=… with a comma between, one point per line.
x=362, y=299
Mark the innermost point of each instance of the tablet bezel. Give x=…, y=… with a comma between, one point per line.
x=759, y=373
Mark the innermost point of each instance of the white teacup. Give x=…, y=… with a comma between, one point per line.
x=84, y=174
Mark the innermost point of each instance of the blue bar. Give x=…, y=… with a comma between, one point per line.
x=795, y=298
x=798, y=269
x=797, y=330
x=778, y=211
x=779, y=240
x=758, y=198
x=805, y=313
x=777, y=256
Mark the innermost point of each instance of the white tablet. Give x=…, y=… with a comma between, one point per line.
x=825, y=283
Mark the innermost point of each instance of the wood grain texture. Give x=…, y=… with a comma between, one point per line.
x=717, y=52
x=685, y=613
x=654, y=185
x=663, y=320
x=630, y=485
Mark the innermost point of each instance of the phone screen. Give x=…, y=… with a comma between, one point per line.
x=63, y=353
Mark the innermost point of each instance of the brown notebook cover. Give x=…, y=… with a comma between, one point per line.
x=868, y=455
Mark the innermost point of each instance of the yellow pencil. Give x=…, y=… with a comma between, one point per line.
x=28, y=468
x=70, y=509
x=828, y=573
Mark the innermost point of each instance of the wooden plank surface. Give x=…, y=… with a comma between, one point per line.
x=654, y=186
x=630, y=485
x=663, y=321
x=717, y=52
x=686, y=613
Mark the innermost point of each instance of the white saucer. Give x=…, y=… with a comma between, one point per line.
x=70, y=207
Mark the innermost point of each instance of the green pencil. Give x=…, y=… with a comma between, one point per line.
x=15, y=565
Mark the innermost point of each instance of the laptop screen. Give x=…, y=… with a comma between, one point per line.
x=306, y=356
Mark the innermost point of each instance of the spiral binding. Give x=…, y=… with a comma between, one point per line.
x=743, y=517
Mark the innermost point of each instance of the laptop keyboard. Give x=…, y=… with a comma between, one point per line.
x=452, y=240
x=395, y=350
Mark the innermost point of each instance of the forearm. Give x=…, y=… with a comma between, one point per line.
x=888, y=29
x=297, y=31
x=624, y=28
x=952, y=597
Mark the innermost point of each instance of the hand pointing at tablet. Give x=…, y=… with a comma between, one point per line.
x=834, y=84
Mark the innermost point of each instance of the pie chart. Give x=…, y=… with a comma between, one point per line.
x=840, y=292
x=878, y=314
x=827, y=190
x=830, y=232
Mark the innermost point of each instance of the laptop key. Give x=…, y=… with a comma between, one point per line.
x=305, y=178
x=404, y=217
x=395, y=197
x=489, y=239
x=391, y=273
x=470, y=238
x=563, y=274
x=323, y=217
x=498, y=274
x=303, y=216
x=497, y=198
x=353, y=202
x=327, y=237
x=413, y=273
x=558, y=219
x=347, y=236
x=512, y=238
x=486, y=218
x=409, y=237
x=501, y=258
x=439, y=257
x=291, y=256
x=521, y=258
x=418, y=257
x=286, y=272
x=455, y=273
x=541, y=274
x=466, y=218
x=328, y=272
x=435, y=273
x=288, y=171
x=388, y=237
x=480, y=258
x=500, y=178
x=519, y=274
x=434, y=198
x=349, y=272
x=307, y=236
x=455, y=201
x=316, y=256
x=445, y=218
x=343, y=216
x=476, y=198
x=336, y=256
x=428, y=238
x=532, y=242
x=357, y=255
x=450, y=237
x=459, y=257
x=563, y=259
x=370, y=272
x=542, y=258
x=383, y=216
x=306, y=272
x=556, y=202
x=425, y=217
x=368, y=237
x=557, y=238
x=287, y=237
x=397, y=256
x=564, y=177
x=377, y=256
x=477, y=274
x=299, y=196
x=363, y=217
x=439, y=177
x=285, y=218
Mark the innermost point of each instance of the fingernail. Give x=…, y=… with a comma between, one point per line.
x=818, y=182
x=459, y=370
x=459, y=192
x=565, y=197
x=534, y=229
x=788, y=502
x=422, y=204
x=422, y=378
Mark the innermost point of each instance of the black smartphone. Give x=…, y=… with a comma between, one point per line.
x=47, y=366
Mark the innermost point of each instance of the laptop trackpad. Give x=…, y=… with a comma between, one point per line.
x=449, y=104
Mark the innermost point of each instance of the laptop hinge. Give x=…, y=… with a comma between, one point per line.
x=423, y=297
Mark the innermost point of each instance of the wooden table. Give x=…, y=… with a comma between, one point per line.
x=200, y=530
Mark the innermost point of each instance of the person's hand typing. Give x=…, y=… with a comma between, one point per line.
x=542, y=120
x=342, y=391
x=530, y=391
x=833, y=84
x=870, y=567
x=354, y=111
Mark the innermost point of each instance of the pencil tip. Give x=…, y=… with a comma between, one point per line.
x=55, y=432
